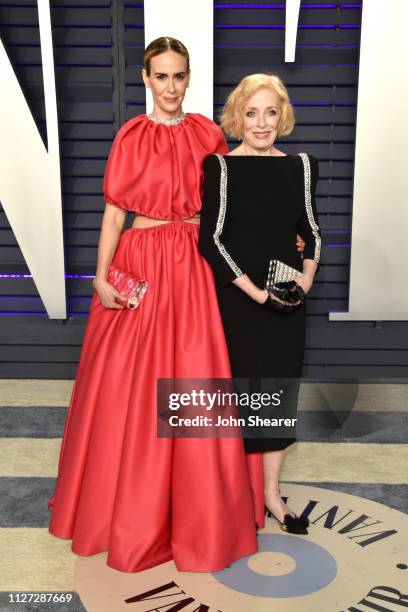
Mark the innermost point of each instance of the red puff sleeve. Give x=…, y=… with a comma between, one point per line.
x=120, y=167
x=220, y=145
x=215, y=139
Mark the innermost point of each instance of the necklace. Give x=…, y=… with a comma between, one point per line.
x=174, y=121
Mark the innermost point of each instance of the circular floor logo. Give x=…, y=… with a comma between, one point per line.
x=355, y=559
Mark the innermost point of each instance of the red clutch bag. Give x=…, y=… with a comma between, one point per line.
x=125, y=283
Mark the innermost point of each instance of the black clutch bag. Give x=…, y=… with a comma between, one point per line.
x=284, y=294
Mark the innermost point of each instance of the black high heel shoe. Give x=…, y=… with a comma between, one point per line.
x=291, y=524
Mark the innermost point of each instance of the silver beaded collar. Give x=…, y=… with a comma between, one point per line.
x=174, y=121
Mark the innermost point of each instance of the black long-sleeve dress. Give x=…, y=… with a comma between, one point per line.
x=253, y=207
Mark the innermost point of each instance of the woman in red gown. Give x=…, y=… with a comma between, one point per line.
x=121, y=489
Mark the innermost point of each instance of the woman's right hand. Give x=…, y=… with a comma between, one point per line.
x=261, y=296
x=247, y=286
x=107, y=294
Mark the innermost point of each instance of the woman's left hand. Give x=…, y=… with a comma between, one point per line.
x=305, y=281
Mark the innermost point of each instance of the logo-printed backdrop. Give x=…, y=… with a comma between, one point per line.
x=98, y=51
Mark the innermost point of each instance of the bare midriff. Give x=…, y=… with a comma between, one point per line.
x=141, y=221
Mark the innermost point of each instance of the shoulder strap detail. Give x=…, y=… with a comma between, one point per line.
x=308, y=205
x=221, y=218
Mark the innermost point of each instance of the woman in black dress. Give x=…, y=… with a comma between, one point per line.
x=256, y=200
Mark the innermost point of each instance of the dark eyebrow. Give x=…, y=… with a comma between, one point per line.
x=165, y=73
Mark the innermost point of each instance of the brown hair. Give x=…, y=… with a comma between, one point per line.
x=232, y=116
x=161, y=45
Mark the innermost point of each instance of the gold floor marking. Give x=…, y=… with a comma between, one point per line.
x=30, y=392
x=343, y=462
x=29, y=456
x=364, y=397
x=351, y=396
x=34, y=560
x=305, y=461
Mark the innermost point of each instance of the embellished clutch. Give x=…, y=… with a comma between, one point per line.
x=284, y=294
x=125, y=283
x=279, y=272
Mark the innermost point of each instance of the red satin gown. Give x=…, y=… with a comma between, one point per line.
x=121, y=489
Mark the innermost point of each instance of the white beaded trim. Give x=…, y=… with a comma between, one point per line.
x=221, y=218
x=308, y=203
x=174, y=121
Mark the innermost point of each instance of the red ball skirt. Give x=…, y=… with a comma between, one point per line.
x=121, y=489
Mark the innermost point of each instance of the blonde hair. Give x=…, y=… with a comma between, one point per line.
x=232, y=114
x=161, y=45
